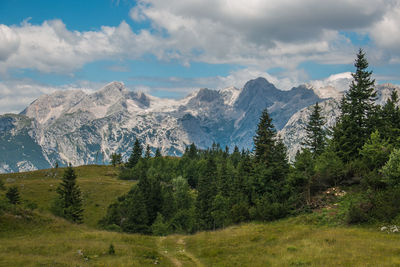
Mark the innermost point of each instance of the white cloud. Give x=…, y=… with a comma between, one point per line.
x=261, y=33
x=9, y=42
x=51, y=47
x=386, y=32
x=255, y=33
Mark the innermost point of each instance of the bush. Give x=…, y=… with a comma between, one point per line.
x=160, y=227
x=2, y=187
x=267, y=211
x=329, y=169
x=240, y=212
x=358, y=213
x=126, y=174
x=30, y=205
x=13, y=195
x=391, y=170
x=386, y=204
x=111, y=250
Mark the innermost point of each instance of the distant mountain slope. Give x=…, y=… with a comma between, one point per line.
x=81, y=128
x=18, y=146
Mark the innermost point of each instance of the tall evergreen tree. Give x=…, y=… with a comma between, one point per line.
x=315, y=133
x=13, y=195
x=390, y=126
x=264, y=140
x=357, y=111
x=207, y=189
x=148, y=152
x=116, y=159
x=136, y=154
x=134, y=212
x=70, y=197
x=157, y=154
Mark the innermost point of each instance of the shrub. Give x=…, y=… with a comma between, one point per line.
x=358, y=213
x=329, y=169
x=111, y=250
x=391, y=170
x=13, y=195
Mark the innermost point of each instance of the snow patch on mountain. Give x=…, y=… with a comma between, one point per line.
x=331, y=87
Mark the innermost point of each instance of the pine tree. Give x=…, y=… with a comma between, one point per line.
x=264, y=140
x=315, y=133
x=70, y=197
x=2, y=187
x=13, y=195
x=357, y=112
x=235, y=156
x=134, y=212
x=148, y=152
x=157, y=153
x=390, y=128
x=136, y=154
x=192, y=151
x=116, y=159
x=207, y=189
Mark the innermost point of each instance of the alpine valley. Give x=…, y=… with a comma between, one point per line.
x=75, y=127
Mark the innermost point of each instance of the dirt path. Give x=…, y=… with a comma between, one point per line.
x=176, y=251
x=166, y=254
x=182, y=242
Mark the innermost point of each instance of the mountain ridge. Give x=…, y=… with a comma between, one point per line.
x=83, y=128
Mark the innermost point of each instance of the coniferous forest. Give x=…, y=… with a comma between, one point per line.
x=214, y=188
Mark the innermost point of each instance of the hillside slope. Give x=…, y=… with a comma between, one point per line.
x=38, y=238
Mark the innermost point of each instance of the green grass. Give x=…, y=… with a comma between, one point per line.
x=292, y=243
x=40, y=239
x=99, y=186
x=49, y=241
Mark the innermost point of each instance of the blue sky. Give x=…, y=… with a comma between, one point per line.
x=169, y=48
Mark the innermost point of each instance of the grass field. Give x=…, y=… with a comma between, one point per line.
x=41, y=239
x=99, y=186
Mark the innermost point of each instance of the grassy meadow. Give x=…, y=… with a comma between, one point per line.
x=39, y=239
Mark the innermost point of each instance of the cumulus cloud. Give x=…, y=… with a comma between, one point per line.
x=51, y=47
x=262, y=33
x=9, y=42
x=256, y=33
x=386, y=32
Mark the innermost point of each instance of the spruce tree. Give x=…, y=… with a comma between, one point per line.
x=315, y=133
x=70, y=197
x=13, y=195
x=206, y=191
x=116, y=159
x=264, y=140
x=148, y=152
x=357, y=112
x=390, y=128
x=134, y=212
x=157, y=154
x=136, y=154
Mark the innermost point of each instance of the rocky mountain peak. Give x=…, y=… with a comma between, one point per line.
x=258, y=92
x=205, y=95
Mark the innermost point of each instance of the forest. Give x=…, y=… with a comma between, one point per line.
x=214, y=188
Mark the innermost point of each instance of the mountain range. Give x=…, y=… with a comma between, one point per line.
x=76, y=127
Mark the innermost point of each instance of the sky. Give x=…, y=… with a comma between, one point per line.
x=170, y=48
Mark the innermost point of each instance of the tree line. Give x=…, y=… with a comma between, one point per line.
x=213, y=188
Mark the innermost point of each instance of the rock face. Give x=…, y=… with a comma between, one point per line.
x=76, y=127
x=293, y=133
